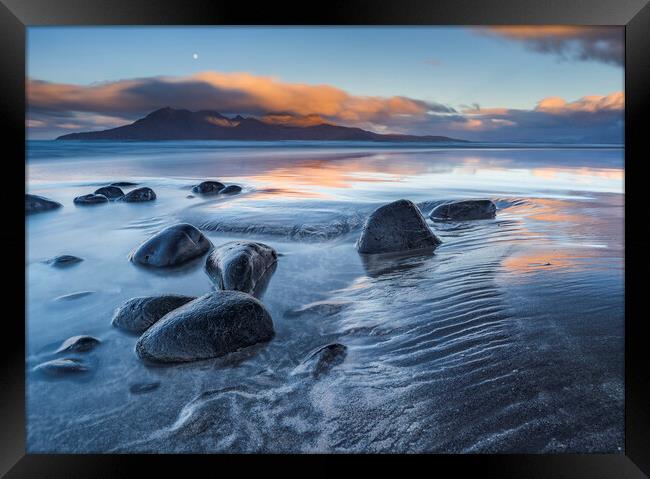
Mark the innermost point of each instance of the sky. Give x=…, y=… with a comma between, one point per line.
x=520, y=83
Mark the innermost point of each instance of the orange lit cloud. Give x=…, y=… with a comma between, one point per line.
x=591, y=104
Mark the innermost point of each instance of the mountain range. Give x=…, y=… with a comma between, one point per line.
x=177, y=124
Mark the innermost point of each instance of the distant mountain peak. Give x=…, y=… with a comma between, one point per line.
x=169, y=123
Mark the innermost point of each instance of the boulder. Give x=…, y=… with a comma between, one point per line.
x=90, y=199
x=138, y=314
x=64, y=260
x=396, y=227
x=231, y=190
x=60, y=367
x=38, y=204
x=78, y=344
x=464, y=210
x=110, y=192
x=244, y=266
x=139, y=194
x=211, y=326
x=172, y=246
x=208, y=188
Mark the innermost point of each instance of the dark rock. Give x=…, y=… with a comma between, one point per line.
x=208, y=188
x=141, y=388
x=172, y=246
x=211, y=326
x=123, y=183
x=59, y=367
x=38, y=204
x=190, y=196
x=244, y=266
x=90, y=199
x=110, y=192
x=397, y=226
x=71, y=296
x=231, y=190
x=324, y=359
x=64, y=260
x=319, y=308
x=464, y=210
x=138, y=314
x=78, y=344
x=139, y=194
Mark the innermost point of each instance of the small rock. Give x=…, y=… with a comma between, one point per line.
x=464, y=210
x=244, y=266
x=123, y=183
x=211, y=326
x=139, y=194
x=38, y=204
x=324, y=359
x=110, y=192
x=231, y=190
x=172, y=246
x=319, y=308
x=190, y=196
x=208, y=188
x=64, y=260
x=59, y=367
x=141, y=388
x=90, y=199
x=78, y=344
x=395, y=227
x=138, y=314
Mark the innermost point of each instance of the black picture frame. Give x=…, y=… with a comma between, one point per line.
x=15, y=15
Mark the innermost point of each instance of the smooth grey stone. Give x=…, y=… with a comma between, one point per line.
x=38, y=204
x=325, y=358
x=123, y=183
x=464, y=210
x=138, y=314
x=208, y=188
x=141, y=388
x=241, y=266
x=139, y=194
x=211, y=326
x=90, y=199
x=78, y=344
x=64, y=260
x=319, y=308
x=71, y=296
x=231, y=190
x=397, y=226
x=110, y=192
x=172, y=246
x=59, y=367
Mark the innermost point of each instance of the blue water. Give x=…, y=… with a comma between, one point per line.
x=508, y=339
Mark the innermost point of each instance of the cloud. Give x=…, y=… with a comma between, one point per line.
x=604, y=44
x=55, y=109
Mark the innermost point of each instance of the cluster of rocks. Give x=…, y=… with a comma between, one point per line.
x=70, y=364
x=113, y=192
x=176, y=328
x=215, y=188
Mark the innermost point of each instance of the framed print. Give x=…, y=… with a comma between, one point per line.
x=402, y=229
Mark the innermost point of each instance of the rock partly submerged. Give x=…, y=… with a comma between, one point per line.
x=139, y=195
x=396, y=227
x=90, y=199
x=172, y=246
x=64, y=260
x=78, y=344
x=63, y=366
x=211, y=326
x=245, y=266
x=318, y=308
x=231, y=190
x=464, y=210
x=208, y=187
x=110, y=192
x=138, y=314
x=321, y=361
x=39, y=204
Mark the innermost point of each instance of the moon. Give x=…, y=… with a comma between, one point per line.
x=195, y=56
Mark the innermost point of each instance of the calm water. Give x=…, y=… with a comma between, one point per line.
x=508, y=339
